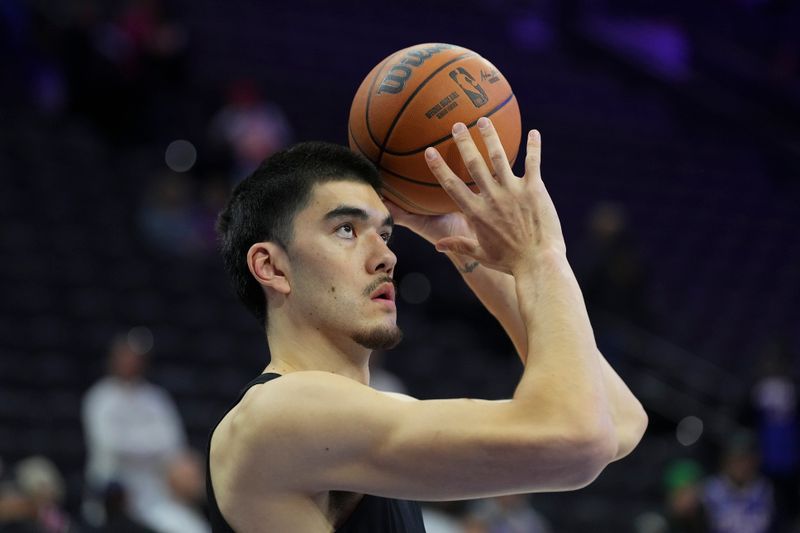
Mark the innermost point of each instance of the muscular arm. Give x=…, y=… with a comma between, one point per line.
x=313, y=431
x=496, y=290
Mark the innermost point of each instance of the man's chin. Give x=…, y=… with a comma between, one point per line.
x=379, y=338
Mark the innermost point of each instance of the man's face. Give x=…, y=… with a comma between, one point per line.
x=341, y=268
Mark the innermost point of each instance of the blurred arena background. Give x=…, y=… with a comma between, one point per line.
x=671, y=149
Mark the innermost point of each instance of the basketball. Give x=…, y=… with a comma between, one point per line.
x=410, y=101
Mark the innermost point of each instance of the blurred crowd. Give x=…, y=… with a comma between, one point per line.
x=140, y=474
x=123, y=68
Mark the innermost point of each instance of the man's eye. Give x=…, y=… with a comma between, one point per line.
x=386, y=236
x=346, y=230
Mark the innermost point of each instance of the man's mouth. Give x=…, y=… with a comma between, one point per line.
x=383, y=292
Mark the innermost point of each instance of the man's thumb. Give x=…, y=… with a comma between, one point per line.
x=458, y=245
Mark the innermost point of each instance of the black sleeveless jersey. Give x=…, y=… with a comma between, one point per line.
x=373, y=514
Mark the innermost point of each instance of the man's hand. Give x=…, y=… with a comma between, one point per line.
x=431, y=227
x=511, y=219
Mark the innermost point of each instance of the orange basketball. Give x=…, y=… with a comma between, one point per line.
x=410, y=101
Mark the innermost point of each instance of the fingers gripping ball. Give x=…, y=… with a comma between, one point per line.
x=410, y=100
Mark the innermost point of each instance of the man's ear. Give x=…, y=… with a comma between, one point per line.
x=268, y=263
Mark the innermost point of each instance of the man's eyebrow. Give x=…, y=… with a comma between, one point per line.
x=357, y=212
x=346, y=211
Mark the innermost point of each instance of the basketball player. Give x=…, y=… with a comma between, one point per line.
x=309, y=446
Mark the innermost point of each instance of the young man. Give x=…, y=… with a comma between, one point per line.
x=310, y=447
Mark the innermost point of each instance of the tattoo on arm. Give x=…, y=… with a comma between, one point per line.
x=469, y=267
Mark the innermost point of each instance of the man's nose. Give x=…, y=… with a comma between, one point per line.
x=383, y=259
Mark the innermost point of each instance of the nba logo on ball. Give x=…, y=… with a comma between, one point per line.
x=464, y=80
x=410, y=101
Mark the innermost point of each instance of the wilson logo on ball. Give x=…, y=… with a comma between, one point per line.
x=395, y=81
x=467, y=83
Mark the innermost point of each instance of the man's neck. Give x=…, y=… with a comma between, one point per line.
x=294, y=351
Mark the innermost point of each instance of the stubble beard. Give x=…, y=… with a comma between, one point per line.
x=379, y=338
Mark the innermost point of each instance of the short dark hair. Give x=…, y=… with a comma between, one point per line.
x=262, y=207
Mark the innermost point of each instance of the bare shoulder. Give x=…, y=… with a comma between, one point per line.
x=286, y=420
x=271, y=415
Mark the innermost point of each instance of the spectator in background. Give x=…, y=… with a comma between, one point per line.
x=182, y=511
x=684, y=505
x=39, y=480
x=249, y=127
x=739, y=499
x=132, y=431
x=32, y=503
x=168, y=217
x=774, y=415
x=17, y=513
x=178, y=214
